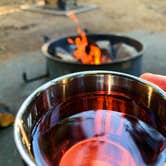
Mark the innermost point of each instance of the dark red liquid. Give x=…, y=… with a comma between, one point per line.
x=99, y=137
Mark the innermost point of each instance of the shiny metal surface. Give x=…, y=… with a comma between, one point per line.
x=58, y=90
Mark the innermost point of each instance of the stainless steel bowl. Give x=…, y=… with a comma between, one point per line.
x=58, y=90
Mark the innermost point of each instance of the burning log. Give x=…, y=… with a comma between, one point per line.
x=64, y=55
x=123, y=51
x=99, y=52
x=104, y=45
x=106, y=49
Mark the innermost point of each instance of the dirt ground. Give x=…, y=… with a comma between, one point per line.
x=23, y=31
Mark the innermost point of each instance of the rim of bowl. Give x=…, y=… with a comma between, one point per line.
x=17, y=137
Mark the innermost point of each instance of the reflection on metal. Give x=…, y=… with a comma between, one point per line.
x=109, y=84
x=85, y=146
x=25, y=139
x=150, y=92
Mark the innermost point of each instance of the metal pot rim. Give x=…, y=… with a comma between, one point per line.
x=23, y=152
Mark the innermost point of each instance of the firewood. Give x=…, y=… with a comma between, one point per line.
x=64, y=55
x=124, y=50
x=104, y=44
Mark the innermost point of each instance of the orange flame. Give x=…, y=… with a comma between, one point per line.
x=86, y=52
x=72, y=16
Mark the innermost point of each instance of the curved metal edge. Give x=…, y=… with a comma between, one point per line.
x=23, y=107
x=45, y=47
x=17, y=138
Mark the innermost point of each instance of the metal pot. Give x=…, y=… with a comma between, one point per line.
x=147, y=95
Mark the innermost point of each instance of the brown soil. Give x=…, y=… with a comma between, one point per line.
x=22, y=31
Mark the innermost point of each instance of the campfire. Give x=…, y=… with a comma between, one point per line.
x=93, y=52
x=86, y=52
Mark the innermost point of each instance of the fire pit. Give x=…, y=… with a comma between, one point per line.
x=91, y=52
x=57, y=66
